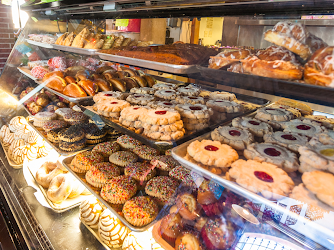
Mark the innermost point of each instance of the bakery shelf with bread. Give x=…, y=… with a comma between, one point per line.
x=271, y=155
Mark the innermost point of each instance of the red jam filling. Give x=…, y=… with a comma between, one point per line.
x=136, y=96
x=168, y=91
x=254, y=123
x=135, y=108
x=263, y=176
x=289, y=137
x=161, y=112
x=113, y=102
x=108, y=95
x=234, y=132
x=168, y=103
x=193, y=98
x=195, y=108
x=272, y=152
x=269, y=109
x=303, y=127
x=211, y=148
x=218, y=101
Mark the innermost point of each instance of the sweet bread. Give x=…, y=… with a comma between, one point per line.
x=74, y=90
x=226, y=58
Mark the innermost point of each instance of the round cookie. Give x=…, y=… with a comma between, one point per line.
x=197, y=111
x=222, y=96
x=189, y=91
x=140, y=99
x=108, y=96
x=164, y=162
x=99, y=173
x=305, y=127
x=75, y=118
x=143, y=90
x=295, y=112
x=72, y=146
x=146, y=152
x=140, y=171
x=110, y=108
x=128, y=142
x=54, y=124
x=140, y=211
x=273, y=114
x=326, y=138
x=184, y=175
x=224, y=106
x=289, y=140
x=161, y=187
x=190, y=100
x=321, y=119
x=319, y=157
x=167, y=94
x=164, y=136
x=160, y=117
x=42, y=117
x=63, y=111
x=93, y=133
x=163, y=104
x=237, y=138
x=164, y=86
x=255, y=126
x=52, y=135
x=119, y=189
x=106, y=148
x=72, y=134
x=85, y=160
x=123, y=158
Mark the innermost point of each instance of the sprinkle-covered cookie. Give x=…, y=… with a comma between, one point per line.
x=164, y=162
x=72, y=134
x=123, y=158
x=101, y=172
x=106, y=148
x=75, y=118
x=140, y=171
x=85, y=160
x=54, y=124
x=146, y=152
x=161, y=187
x=184, y=175
x=128, y=142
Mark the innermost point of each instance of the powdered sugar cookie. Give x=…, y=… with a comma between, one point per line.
x=108, y=95
x=167, y=94
x=197, y=111
x=140, y=99
x=190, y=100
x=275, y=154
x=255, y=126
x=163, y=104
x=273, y=114
x=160, y=117
x=289, y=140
x=305, y=127
x=143, y=90
x=225, y=106
x=222, y=96
x=264, y=178
x=212, y=153
x=164, y=86
x=319, y=157
x=189, y=91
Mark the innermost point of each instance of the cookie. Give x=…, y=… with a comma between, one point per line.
x=54, y=124
x=133, y=113
x=197, y=111
x=295, y=112
x=123, y=158
x=161, y=187
x=237, y=138
x=195, y=127
x=273, y=114
x=195, y=120
x=164, y=136
x=42, y=117
x=106, y=148
x=164, y=86
x=85, y=160
x=247, y=105
x=163, y=104
x=72, y=134
x=256, y=127
x=167, y=94
x=164, y=162
x=118, y=190
x=94, y=134
x=52, y=135
x=289, y=140
x=272, y=153
x=110, y=106
x=319, y=157
x=224, y=106
x=99, y=173
x=140, y=99
x=128, y=142
x=178, y=125
x=160, y=117
x=184, y=175
x=212, y=153
x=62, y=111
x=140, y=171
x=323, y=120
x=326, y=138
x=75, y=118
x=108, y=96
x=320, y=184
x=72, y=146
x=222, y=96
x=190, y=100
x=189, y=91
x=264, y=178
x=146, y=152
x=304, y=127
x=143, y=90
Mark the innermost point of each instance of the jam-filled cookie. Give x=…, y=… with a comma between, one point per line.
x=160, y=116
x=190, y=100
x=196, y=111
x=237, y=138
x=289, y=140
x=140, y=99
x=326, y=138
x=143, y=90
x=225, y=106
x=273, y=114
x=189, y=91
x=222, y=96
x=256, y=127
x=319, y=157
x=305, y=127
x=164, y=86
x=167, y=94
x=322, y=120
x=168, y=104
x=262, y=177
x=108, y=96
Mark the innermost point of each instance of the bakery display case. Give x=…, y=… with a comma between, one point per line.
x=114, y=138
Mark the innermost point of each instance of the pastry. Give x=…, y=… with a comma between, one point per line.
x=159, y=86
x=189, y=91
x=108, y=96
x=90, y=212
x=222, y=96
x=321, y=119
x=93, y=133
x=212, y=153
x=167, y=94
x=39, y=72
x=140, y=211
x=177, y=126
x=224, y=106
x=247, y=105
x=16, y=123
x=42, y=117
x=140, y=99
x=265, y=178
x=187, y=206
x=197, y=111
x=21, y=153
x=162, y=187
x=275, y=154
x=145, y=152
x=131, y=114
x=85, y=160
x=136, y=241
x=62, y=111
x=4, y=131
x=75, y=118
x=123, y=158
x=22, y=133
x=184, y=175
x=128, y=142
x=289, y=140
x=164, y=162
x=72, y=146
x=255, y=126
x=52, y=135
x=33, y=137
x=160, y=117
x=228, y=57
x=190, y=100
x=303, y=127
x=14, y=145
x=106, y=148
x=151, y=81
x=273, y=114
x=326, y=138
x=43, y=149
x=163, y=104
x=111, y=230
x=109, y=108
x=99, y=173
x=8, y=140
x=320, y=184
x=171, y=227
x=187, y=241
x=118, y=190
x=54, y=124
x=237, y=138
x=319, y=157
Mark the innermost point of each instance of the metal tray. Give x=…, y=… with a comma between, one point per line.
x=164, y=145
x=54, y=146
x=67, y=204
x=10, y=161
x=180, y=152
x=67, y=161
x=26, y=71
x=82, y=51
x=39, y=44
x=166, y=67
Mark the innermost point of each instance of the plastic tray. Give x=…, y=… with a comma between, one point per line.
x=75, y=50
x=67, y=161
x=67, y=204
x=10, y=161
x=157, y=236
x=166, y=67
x=54, y=146
x=26, y=71
x=39, y=44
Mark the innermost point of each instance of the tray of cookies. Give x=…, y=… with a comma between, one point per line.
x=60, y=189
x=271, y=156
x=129, y=178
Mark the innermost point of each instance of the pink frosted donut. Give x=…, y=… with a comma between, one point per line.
x=60, y=188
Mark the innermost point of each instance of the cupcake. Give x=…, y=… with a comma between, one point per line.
x=171, y=227
x=187, y=205
x=206, y=196
x=218, y=234
x=187, y=241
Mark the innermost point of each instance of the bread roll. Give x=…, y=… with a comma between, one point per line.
x=90, y=87
x=57, y=83
x=74, y=90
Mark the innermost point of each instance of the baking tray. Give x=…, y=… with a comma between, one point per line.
x=157, y=236
x=95, y=233
x=54, y=146
x=10, y=161
x=180, y=152
x=67, y=204
x=82, y=51
x=164, y=145
x=26, y=71
x=39, y=44
x=166, y=67
x=67, y=161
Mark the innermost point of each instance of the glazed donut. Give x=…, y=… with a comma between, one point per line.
x=60, y=188
x=274, y=62
x=228, y=57
x=77, y=189
x=46, y=173
x=319, y=70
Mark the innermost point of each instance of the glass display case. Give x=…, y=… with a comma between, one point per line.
x=170, y=124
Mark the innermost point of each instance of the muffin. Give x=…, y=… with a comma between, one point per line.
x=187, y=241
x=187, y=205
x=206, y=196
x=171, y=227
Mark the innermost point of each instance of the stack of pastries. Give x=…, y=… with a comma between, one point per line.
x=296, y=55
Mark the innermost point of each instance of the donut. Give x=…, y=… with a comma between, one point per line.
x=60, y=188
x=46, y=173
x=77, y=189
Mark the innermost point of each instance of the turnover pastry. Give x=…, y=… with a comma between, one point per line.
x=226, y=58
x=272, y=153
x=265, y=178
x=289, y=140
x=256, y=127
